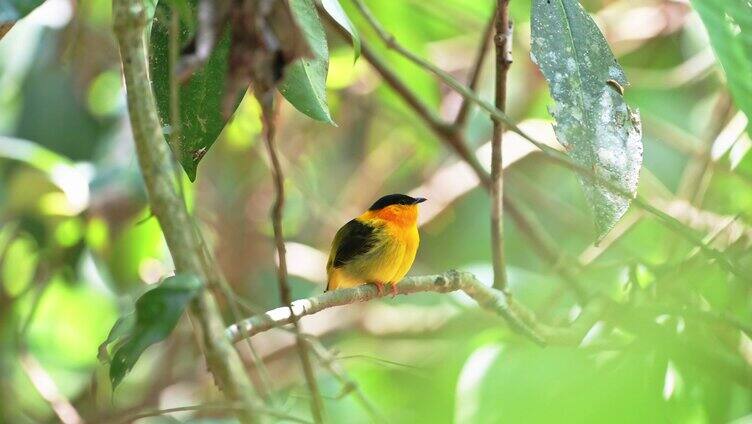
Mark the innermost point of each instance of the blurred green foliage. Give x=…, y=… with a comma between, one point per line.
x=78, y=244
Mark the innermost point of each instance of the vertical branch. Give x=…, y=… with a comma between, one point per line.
x=153, y=153
x=502, y=42
x=267, y=106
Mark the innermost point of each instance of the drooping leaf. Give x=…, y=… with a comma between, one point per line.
x=729, y=24
x=200, y=97
x=13, y=10
x=335, y=10
x=156, y=314
x=304, y=83
x=122, y=327
x=593, y=123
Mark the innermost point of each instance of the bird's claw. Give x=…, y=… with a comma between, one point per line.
x=379, y=288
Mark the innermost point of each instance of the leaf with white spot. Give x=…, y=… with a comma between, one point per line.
x=593, y=123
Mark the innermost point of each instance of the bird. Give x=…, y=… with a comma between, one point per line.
x=378, y=247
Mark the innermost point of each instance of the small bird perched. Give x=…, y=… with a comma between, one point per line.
x=377, y=247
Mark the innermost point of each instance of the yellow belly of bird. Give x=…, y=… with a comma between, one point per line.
x=388, y=263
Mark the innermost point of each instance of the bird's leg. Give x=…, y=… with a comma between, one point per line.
x=393, y=290
x=379, y=287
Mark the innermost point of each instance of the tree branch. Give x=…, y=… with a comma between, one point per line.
x=212, y=407
x=267, y=103
x=488, y=298
x=464, y=113
x=129, y=18
x=550, y=154
x=502, y=42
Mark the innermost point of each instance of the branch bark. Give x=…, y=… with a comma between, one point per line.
x=502, y=42
x=488, y=298
x=153, y=153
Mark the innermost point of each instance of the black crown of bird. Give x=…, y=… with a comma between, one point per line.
x=378, y=247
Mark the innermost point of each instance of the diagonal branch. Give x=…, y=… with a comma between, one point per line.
x=464, y=113
x=490, y=299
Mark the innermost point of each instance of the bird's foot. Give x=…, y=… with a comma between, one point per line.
x=393, y=289
x=379, y=287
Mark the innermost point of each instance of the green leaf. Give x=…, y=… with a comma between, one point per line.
x=122, y=328
x=13, y=10
x=304, y=83
x=500, y=384
x=334, y=9
x=593, y=123
x=201, y=97
x=729, y=25
x=157, y=312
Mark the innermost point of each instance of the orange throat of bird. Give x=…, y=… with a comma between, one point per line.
x=401, y=215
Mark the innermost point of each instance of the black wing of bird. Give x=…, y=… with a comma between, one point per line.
x=352, y=240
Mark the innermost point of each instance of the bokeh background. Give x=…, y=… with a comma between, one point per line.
x=78, y=243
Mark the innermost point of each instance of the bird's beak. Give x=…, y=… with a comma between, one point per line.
x=419, y=200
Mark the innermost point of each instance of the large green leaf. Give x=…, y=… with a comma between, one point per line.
x=729, y=24
x=593, y=123
x=157, y=312
x=562, y=385
x=13, y=10
x=200, y=97
x=335, y=10
x=304, y=83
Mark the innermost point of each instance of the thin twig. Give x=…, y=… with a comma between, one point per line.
x=547, y=249
x=129, y=17
x=48, y=390
x=210, y=406
x=317, y=404
x=329, y=361
x=466, y=105
x=445, y=131
x=217, y=280
x=549, y=153
x=503, y=47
